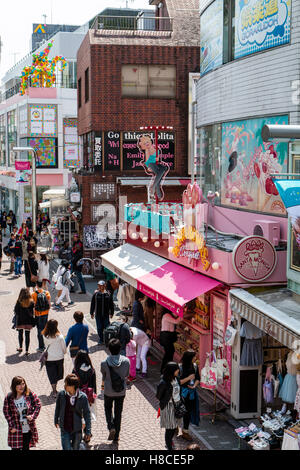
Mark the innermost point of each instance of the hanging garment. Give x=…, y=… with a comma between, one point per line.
x=297, y=399
x=289, y=387
x=252, y=352
x=268, y=387
x=123, y=297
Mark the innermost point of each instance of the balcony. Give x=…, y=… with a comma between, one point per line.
x=133, y=26
x=66, y=83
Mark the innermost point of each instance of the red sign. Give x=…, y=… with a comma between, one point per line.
x=254, y=259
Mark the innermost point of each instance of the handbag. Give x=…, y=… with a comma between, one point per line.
x=43, y=358
x=209, y=374
x=223, y=372
x=179, y=409
x=230, y=335
x=33, y=278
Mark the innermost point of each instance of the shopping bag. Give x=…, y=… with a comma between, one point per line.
x=223, y=372
x=230, y=335
x=209, y=374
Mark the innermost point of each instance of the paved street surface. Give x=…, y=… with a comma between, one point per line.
x=140, y=427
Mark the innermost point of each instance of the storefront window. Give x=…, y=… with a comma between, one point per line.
x=295, y=247
x=210, y=157
x=3, y=140
x=12, y=137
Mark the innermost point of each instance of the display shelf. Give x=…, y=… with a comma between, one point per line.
x=197, y=328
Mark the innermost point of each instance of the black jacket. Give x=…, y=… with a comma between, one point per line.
x=81, y=410
x=164, y=393
x=138, y=316
x=87, y=378
x=102, y=305
x=24, y=316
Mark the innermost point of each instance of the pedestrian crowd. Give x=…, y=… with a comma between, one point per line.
x=128, y=348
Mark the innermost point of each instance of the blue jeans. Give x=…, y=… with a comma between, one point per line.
x=102, y=323
x=40, y=325
x=70, y=440
x=81, y=281
x=18, y=265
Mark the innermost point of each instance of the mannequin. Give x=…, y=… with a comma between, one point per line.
x=289, y=387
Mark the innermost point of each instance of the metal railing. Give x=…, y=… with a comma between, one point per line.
x=133, y=23
x=16, y=89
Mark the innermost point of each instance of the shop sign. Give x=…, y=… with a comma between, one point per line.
x=254, y=259
x=75, y=197
x=260, y=25
x=103, y=192
x=98, y=151
x=190, y=244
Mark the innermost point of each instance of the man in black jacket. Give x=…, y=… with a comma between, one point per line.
x=18, y=253
x=102, y=306
x=76, y=264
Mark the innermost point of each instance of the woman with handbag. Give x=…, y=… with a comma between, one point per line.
x=172, y=409
x=189, y=380
x=168, y=336
x=31, y=270
x=56, y=349
x=24, y=318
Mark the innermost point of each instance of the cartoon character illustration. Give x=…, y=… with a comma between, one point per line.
x=153, y=166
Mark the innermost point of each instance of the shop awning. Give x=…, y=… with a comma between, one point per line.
x=169, y=284
x=283, y=325
x=54, y=194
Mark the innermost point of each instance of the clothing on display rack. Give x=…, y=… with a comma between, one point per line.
x=125, y=296
x=268, y=387
x=289, y=387
x=297, y=399
x=252, y=352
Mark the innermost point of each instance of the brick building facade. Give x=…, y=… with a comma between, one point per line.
x=108, y=119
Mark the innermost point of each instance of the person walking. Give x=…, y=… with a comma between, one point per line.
x=10, y=254
x=65, y=253
x=131, y=354
x=168, y=394
x=102, y=307
x=56, y=349
x=138, y=316
x=189, y=380
x=18, y=253
x=71, y=408
x=168, y=336
x=143, y=344
x=31, y=270
x=60, y=270
x=86, y=373
x=43, y=270
x=42, y=304
x=24, y=319
x=77, y=269
x=77, y=335
x=115, y=370
x=21, y=409
x=23, y=230
x=11, y=220
x=77, y=252
x=64, y=282
x=4, y=223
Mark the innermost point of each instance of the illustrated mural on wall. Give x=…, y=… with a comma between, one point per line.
x=153, y=165
x=260, y=25
x=41, y=74
x=211, y=37
x=247, y=165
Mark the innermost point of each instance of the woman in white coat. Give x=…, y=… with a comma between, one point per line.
x=56, y=348
x=63, y=284
x=43, y=271
x=143, y=343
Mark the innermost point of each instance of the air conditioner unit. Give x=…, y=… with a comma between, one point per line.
x=267, y=229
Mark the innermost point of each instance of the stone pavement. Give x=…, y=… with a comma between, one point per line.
x=140, y=427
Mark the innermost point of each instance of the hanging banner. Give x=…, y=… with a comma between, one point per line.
x=23, y=172
x=211, y=37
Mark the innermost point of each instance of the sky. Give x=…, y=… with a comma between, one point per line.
x=17, y=17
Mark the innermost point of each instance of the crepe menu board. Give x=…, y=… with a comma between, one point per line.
x=133, y=157
x=112, y=151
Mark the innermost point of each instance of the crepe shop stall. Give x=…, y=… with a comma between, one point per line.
x=202, y=302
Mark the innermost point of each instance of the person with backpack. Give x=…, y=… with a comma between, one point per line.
x=102, y=307
x=115, y=371
x=72, y=407
x=56, y=349
x=18, y=253
x=77, y=336
x=42, y=302
x=64, y=282
x=21, y=409
x=86, y=373
x=119, y=330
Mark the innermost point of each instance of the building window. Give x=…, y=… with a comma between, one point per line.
x=87, y=85
x=150, y=81
x=79, y=93
x=228, y=31
x=210, y=159
x=12, y=137
x=3, y=140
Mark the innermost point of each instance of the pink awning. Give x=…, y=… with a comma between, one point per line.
x=173, y=286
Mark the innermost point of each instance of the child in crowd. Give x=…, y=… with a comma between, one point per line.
x=131, y=354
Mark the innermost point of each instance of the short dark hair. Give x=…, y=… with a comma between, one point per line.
x=72, y=381
x=39, y=284
x=169, y=371
x=78, y=317
x=139, y=295
x=114, y=346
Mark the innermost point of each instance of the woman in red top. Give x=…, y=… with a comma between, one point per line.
x=23, y=230
x=21, y=409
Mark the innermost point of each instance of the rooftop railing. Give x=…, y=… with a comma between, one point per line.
x=133, y=23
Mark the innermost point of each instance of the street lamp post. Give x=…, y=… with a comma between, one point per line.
x=33, y=181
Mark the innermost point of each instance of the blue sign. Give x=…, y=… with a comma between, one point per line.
x=260, y=25
x=211, y=37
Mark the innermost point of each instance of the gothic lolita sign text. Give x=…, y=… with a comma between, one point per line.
x=254, y=259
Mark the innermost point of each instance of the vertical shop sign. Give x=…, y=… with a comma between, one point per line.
x=112, y=151
x=260, y=25
x=98, y=152
x=211, y=37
